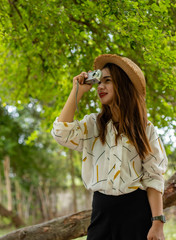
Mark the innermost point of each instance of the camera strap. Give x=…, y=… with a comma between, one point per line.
x=77, y=96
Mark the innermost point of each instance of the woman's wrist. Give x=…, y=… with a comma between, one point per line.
x=79, y=94
x=157, y=223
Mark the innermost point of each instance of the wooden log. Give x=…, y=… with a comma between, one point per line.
x=169, y=197
x=63, y=228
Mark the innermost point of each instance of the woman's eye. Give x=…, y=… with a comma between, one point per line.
x=105, y=81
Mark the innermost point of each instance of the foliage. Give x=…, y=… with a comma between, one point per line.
x=45, y=43
x=34, y=163
x=13, y=134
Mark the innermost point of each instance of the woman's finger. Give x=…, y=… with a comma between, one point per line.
x=81, y=77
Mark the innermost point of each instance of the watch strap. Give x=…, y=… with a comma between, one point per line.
x=160, y=218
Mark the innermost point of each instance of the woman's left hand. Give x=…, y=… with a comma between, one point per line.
x=156, y=231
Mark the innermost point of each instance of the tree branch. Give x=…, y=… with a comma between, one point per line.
x=15, y=219
x=93, y=29
x=12, y=3
x=63, y=228
x=169, y=197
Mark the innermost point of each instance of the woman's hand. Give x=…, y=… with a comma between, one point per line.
x=82, y=87
x=156, y=231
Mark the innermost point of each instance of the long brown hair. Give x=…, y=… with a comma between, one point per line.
x=129, y=106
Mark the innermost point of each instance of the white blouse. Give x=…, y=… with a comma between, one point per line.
x=113, y=169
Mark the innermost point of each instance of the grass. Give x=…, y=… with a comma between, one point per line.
x=4, y=231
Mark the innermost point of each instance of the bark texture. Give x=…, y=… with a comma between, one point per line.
x=63, y=228
x=169, y=198
x=8, y=182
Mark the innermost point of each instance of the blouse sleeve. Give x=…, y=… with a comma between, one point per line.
x=70, y=134
x=155, y=164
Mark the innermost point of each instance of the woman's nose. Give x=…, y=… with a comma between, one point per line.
x=101, y=85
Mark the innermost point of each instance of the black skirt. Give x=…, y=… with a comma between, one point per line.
x=124, y=217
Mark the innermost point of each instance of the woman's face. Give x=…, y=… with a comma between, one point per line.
x=105, y=88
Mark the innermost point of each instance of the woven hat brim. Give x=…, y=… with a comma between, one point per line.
x=129, y=67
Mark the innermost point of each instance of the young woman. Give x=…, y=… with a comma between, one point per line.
x=123, y=158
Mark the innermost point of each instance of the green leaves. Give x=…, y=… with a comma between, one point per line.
x=44, y=44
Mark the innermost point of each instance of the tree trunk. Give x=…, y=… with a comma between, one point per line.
x=72, y=172
x=53, y=200
x=63, y=228
x=18, y=199
x=16, y=220
x=169, y=198
x=29, y=203
x=8, y=183
x=48, y=202
x=1, y=184
x=43, y=203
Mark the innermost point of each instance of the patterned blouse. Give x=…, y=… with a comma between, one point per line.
x=113, y=169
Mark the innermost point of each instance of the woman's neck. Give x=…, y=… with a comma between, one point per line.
x=114, y=112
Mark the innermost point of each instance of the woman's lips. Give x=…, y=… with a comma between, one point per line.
x=102, y=95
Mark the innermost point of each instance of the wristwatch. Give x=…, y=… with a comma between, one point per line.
x=160, y=218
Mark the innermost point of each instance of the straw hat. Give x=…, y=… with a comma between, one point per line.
x=129, y=67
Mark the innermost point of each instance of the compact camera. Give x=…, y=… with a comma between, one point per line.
x=93, y=77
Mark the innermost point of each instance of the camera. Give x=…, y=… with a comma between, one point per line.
x=93, y=77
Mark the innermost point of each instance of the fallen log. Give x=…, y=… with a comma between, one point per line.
x=63, y=228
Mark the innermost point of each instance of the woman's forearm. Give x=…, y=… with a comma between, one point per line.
x=68, y=111
x=156, y=201
x=79, y=88
x=156, y=204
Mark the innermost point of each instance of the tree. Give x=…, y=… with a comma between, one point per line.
x=45, y=43
x=30, y=162
x=16, y=220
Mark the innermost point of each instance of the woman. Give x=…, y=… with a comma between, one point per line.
x=123, y=158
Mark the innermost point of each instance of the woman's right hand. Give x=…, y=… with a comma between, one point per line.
x=82, y=87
